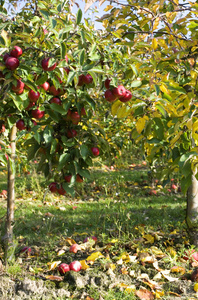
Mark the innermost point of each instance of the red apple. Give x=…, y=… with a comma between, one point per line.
x=81, y=80
x=127, y=97
x=68, y=116
x=53, y=187
x=61, y=190
x=33, y=96
x=173, y=187
x=6, y=55
x=34, y=122
x=2, y=128
x=12, y=63
x=45, y=86
x=71, y=133
x=56, y=100
x=152, y=192
x=45, y=31
x=68, y=178
x=67, y=70
x=54, y=91
x=83, y=112
x=74, y=248
x=45, y=63
x=19, y=92
x=109, y=96
x=19, y=86
x=20, y=124
x=26, y=250
x=75, y=117
x=79, y=178
x=66, y=58
x=31, y=104
x=75, y=266
x=191, y=255
x=107, y=83
x=63, y=268
x=87, y=79
x=37, y=114
x=16, y=52
x=95, y=151
x=119, y=91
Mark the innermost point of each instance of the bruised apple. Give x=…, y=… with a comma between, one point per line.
x=75, y=266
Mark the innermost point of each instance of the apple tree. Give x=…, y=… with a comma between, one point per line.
x=52, y=74
x=157, y=42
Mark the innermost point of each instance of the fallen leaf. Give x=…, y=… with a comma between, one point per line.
x=94, y=256
x=70, y=241
x=178, y=269
x=144, y=294
x=48, y=214
x=60, y=252
x=53, y=265
x=169, y=278
x=54, y=278
x=84, y=265
x=196, y=287
x=150, y=239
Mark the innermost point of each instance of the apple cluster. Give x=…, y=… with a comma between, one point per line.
x=73, y=266
x=114, y=93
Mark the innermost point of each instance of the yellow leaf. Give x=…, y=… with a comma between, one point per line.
x=164, y=89
x=70, y=241
x=178, y=269
x=115, y=106
x=140, y=124
x=150, y=239
x=196, y=287
x=154, y=44
x=60, y=252
x=159, y=294
x=108, y=7
x=84, y=265
x=175, y=139
x=53, y=265
x=105, y=23
x=113, y=241
x=94, y=256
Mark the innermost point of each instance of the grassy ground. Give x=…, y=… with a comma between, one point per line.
x=119, y=207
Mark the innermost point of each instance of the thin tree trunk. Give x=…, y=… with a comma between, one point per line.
x=192, y=211
x=8, y=239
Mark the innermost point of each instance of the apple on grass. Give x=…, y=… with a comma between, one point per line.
x=26, y=250
x=63, y=268
x=75, y=266
x=191, y=255
x=90, y=238
x=74, y=248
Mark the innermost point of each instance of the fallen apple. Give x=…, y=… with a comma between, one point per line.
x=75, y=266
x=191, y=255
x=74, y=248
x=90, y=238
x=63, y=268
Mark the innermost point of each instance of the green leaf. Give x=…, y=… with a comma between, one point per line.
x=68, y=189
x=59, y=8
x=186, y=183
x=136, y=83
x=63, y=159
x=57, y=108
x=6, y=37
x=78, y=16
x=84, y=173
x=42, y=79
x=63, y=50
x=82, y=57
x=31, y=85
x=84, y=151
x=53, y=23
x=70, y=77
x=53, y=146
x=44, y=13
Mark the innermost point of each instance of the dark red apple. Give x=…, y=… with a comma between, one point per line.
x=26, y=250
x=2, y=128
x=68, y=116
x=34, y=122
x=37, y=114
x=56, y=100
x=107, y=83
x=54, y=91
x=95, y=151
x=12, y=63
x=75, y=266
x=119, y=91
x=33, y=96
x=45, y=86
x=127, y=97
x=67, y=70
x=81, y=80
x=83, y=112
x=75, y=117
x=19, y=92
x=87, y=79
x=68, y=178
x=71, y=133
x=191, y=255
x=19, y=86
x=20, y=124
x=109, y=96
x=63, y=268
x=53, y=187
x=61, y=191
x=45, y=64
x=6, y=55
x=16, y=52
x=79, y=178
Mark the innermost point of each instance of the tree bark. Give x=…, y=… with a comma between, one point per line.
x=8, y=238
x=192, y=211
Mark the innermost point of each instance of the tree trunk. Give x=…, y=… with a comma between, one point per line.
x=8, y=238
x=192, y=211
